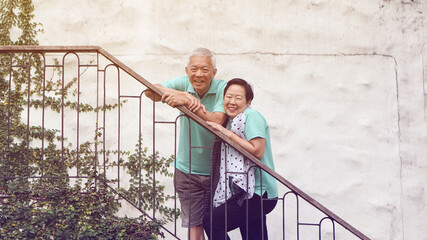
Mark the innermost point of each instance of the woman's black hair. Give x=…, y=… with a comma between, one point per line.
x=248, y=89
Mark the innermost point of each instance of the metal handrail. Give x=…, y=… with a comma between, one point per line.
x=114, y=60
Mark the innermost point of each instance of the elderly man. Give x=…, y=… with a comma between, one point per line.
x=201, y=93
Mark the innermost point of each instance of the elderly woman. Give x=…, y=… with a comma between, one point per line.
x=238, y=179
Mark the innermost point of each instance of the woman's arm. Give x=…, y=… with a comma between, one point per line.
x=255, y=146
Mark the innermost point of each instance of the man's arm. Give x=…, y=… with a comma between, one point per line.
x=217, y=117
x=154, y=96
x=176, y=98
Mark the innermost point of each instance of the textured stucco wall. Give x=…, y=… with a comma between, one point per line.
x=342, y=84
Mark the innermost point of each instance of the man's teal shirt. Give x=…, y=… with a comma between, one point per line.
x=201, y=139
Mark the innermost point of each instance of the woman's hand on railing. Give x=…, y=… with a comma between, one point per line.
x=219, y=128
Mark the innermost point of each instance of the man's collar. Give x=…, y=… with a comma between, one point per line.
x=211, y=90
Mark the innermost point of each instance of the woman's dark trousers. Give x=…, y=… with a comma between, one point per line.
x=252, y=229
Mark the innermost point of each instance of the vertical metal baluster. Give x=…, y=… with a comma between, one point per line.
x=118, y=126
x=154, y=160
x=9, y=115
x=189, y=180
x=43, y=113
x=28, y=67
x=97, y=121
x=78, y=117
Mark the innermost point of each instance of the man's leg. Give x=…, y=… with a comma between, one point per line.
x=191, y=192
x=197, y=233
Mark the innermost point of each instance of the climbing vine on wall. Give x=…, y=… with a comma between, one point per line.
x=55, y=206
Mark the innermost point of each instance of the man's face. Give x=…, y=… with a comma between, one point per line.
x=200, y=72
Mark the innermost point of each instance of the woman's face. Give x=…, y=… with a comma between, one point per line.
x=235, y=100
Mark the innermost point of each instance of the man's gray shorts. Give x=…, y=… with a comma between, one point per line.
x=191, y=190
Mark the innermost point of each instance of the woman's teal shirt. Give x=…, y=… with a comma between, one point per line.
x=256, y=126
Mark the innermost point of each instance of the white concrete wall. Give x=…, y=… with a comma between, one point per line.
x=341, y=83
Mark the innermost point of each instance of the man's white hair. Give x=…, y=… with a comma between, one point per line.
x=202, y=52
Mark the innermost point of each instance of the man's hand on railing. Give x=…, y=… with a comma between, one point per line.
x=194, y=104
x=176, y=98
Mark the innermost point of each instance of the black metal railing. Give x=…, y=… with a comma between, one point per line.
x=87, y=99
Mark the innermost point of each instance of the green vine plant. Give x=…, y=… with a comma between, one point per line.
x=54, y=206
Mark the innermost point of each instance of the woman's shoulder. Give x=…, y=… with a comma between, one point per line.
x=251, y=113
